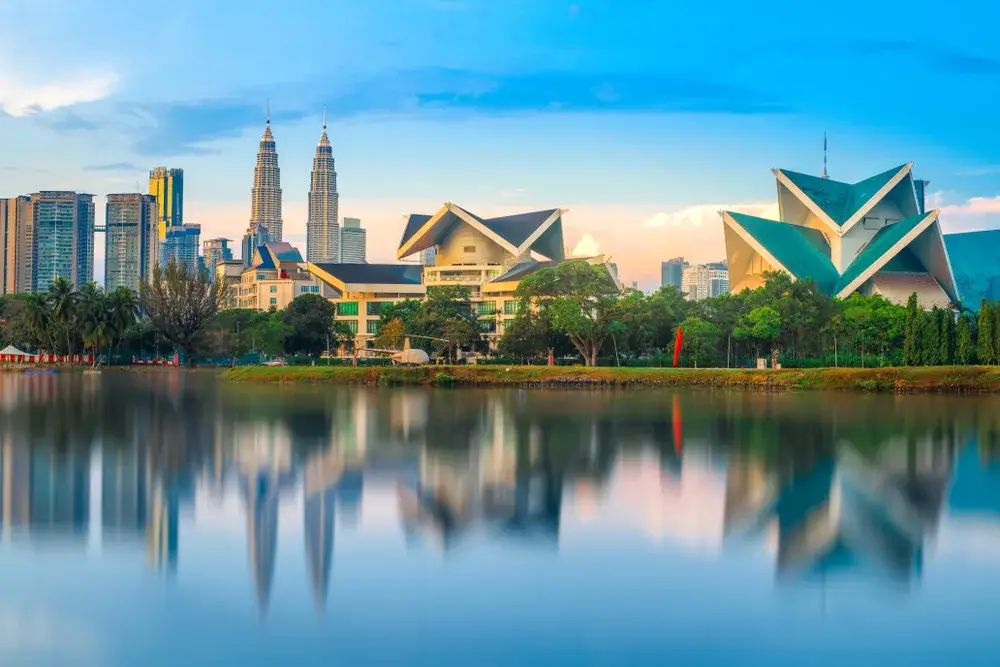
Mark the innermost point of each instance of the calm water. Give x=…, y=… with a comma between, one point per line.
x=171, y=519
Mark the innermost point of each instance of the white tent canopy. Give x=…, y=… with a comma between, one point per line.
x=11, y=350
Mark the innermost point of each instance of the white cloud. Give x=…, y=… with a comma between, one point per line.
x=587, y=246
x=700, y=214
x=974, y=206
x=24, y=98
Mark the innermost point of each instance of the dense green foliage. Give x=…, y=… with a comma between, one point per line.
x=441, y=324
x=791, y=319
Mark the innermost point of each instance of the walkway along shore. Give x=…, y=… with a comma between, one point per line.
x=942, y=379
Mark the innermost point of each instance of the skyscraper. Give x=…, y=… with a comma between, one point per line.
x=63, y=238
x=672, y=272
x=322, y=228
x=353, y=242
x=167, y=185
x=255, y=236
x=265, y=209
x=132, y=240
x=16, y=260
x=215, y=251
x=703, y=281
x=181, y=247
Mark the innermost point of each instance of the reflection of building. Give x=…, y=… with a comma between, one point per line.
x=844, y=514
x=59, y=492
x=124, y=493
x=869, y=236
x=15, y=485
x=162, y=526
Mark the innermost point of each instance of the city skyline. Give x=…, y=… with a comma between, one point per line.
x=625, y=142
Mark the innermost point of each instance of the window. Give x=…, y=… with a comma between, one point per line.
x=274, y=289
x=347, y=309
x=488, y=326
x=469, y=248
x=376, y=307
x=486, y=308
x=511, y=307
x=304, y=289
x=872, y=223
x=314, y=289
x=274, y=302
x=353, y=326
x=261, y=276
x=373, y=327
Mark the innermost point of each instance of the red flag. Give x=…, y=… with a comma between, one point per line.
x=678, y=343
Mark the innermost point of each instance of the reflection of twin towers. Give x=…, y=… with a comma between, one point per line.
x=265, y=473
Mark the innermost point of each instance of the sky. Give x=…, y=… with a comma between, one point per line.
x=643, y=118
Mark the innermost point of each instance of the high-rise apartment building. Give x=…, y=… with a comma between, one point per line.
x=167, y=185
x=702, y=281
x=215, y=251
x=322, y=227
x=181, y=247
x=63, y=241
x=16, y=260
x=265, y=208
x=132, y=248
x=353, y=242
x=672, y=272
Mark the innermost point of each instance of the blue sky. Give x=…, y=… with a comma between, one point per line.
x=642, y=117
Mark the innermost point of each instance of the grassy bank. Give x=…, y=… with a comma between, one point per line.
x=949, y=379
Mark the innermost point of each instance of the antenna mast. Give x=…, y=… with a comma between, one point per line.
x=825, y=175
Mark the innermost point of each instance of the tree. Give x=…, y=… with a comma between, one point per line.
x=911, y=333
x=963, y=346
x=62, y=307
x=760, y=327
x=310, y=321
x=580, y=299
x=390, y=334
x=699, y=340
x=946, y=336
x=123, y=310
x=180, y=305
x=930, y=346
x=985, y=349
x=446, y=313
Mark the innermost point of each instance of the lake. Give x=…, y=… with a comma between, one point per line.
x=169, y=518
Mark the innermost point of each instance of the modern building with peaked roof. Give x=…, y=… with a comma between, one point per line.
x=274, y=278
x=873, y=236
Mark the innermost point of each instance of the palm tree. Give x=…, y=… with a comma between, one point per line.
x=38, y=317
x=92, y=316
x=62, y=305
x=123, y=310
x=95, y=337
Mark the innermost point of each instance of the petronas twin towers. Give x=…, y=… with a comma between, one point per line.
x=322, y=226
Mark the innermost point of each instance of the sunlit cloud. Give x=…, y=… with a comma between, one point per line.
x=702, y=214
x=22, y=98
x=587, y=246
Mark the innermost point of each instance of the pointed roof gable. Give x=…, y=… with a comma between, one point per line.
x=537, y=230
x=801, y=251
x=877, y=253
x=841, y=202
x=262, y=259
x=284, y=252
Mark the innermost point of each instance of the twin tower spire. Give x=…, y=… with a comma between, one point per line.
x=323, y=223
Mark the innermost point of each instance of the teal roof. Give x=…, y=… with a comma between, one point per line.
x=840, y=200
x=879, y=245
x=801, y=250
x=975, y=260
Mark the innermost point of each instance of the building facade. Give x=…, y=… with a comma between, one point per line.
x=167, y=185
x=17, y=259
x=703, y=281
x=215, y=251
x=870, y=237
x=132, y=247
x=63, y=243
x=275, y=277
x=353, y=242
x=230, y=272
x=265, y=207
x=181, y=247
x=322, y=226
x=672, y=272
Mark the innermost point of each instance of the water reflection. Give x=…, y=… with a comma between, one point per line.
x=828, y=487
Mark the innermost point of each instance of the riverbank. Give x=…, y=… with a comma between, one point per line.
x=944, y=379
